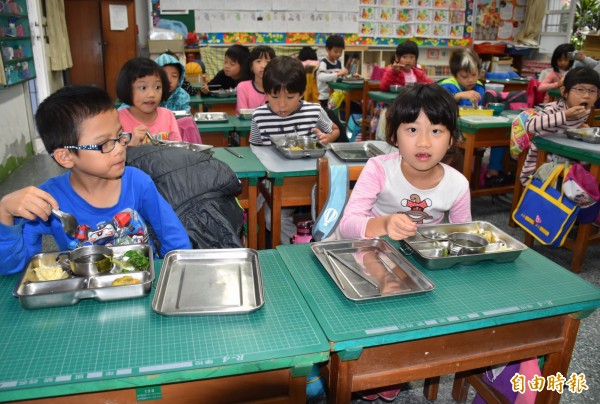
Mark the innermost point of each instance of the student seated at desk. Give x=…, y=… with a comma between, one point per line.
x=284, y=81
x=251, y=93
x=579, y=93
x=465, y=87
x=81, y=131
x=404, y=69
x=142, y=84
x=179, y=99
x=330, y=68
x=395, y=193
x=561, y=64
x=233, y=69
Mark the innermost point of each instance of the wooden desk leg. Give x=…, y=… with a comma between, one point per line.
x=460, y=387
x=252, y=217
x=431, y=387
x=340, y=388
x=469, y=148
x=276, y=216
x=348, y=101
x=559, y=361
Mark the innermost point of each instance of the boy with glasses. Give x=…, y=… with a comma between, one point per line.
x=80, y=128
x=579, y=93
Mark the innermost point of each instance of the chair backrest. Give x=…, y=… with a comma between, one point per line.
x=332, y=192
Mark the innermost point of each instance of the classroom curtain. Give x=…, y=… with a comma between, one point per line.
x=58, y=37
x=533, y=23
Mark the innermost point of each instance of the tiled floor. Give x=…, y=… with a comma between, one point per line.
x=586, y=356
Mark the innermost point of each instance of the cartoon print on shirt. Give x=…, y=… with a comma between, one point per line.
x=126, y=227
x=416, y=207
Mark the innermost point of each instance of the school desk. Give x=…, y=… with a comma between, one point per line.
x=291, y=181
x=483, y=131
x=352, y=91
x=216, y=133
x=511, y=84
x=122, y=351
x=383, y=96
x=587, y=234
x=196, y=103
x=249, y=170
x=219, y=104
x=241, y=127
x=477, y=316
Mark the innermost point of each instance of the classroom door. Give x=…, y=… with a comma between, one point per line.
x=98, y=51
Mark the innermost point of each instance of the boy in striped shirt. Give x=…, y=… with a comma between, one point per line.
x=284, y=81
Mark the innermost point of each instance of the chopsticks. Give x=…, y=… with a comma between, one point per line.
x=352, y=269
x=236, y=154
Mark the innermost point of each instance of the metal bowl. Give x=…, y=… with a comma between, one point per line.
x=460, y=243
x=246, y=113
x=231, y=92
x=91, y=260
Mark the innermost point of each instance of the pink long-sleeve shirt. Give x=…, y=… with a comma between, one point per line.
x=164, y=126
x=248, y=97
x=383, y=190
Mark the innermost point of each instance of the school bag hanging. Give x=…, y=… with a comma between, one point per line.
x=545, y=212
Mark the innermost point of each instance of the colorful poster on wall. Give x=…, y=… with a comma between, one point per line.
x=409, y=18
x=499, y=20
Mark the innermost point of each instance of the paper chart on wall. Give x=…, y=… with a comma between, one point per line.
x=408, y=18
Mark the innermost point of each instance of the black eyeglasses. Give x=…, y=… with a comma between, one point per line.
x=105, y=147
x=582, y=91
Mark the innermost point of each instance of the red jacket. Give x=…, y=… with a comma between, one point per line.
x=391, y=77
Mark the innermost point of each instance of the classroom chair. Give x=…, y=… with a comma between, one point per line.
x=368, y=109
x=431, y=385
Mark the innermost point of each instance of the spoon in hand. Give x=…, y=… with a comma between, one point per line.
x=68, y=221
x=153, y=140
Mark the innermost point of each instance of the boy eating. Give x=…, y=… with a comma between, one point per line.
x=80, y=128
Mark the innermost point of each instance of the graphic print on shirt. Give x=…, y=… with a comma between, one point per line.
x=416, y=206
x=126, y=227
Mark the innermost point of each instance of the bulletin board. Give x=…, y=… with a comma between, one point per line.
x=360, y=22
x=499, y=20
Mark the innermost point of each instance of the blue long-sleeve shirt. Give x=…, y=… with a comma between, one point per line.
x=123, y=223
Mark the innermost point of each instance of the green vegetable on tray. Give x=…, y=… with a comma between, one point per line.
x=135, y=261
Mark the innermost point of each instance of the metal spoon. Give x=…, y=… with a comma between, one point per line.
x=153, y=140
x=433, y=235
x=68, y=221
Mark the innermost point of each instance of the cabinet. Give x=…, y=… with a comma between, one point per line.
x=433, y=60
x=16, y=61
x=591, y=46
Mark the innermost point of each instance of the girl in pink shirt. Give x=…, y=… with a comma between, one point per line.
x=250, y=93
x=397, y=192
x=561, y=64
x=142, y=84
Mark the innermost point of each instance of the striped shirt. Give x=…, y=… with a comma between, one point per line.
x=308, y=116
x=551, y=119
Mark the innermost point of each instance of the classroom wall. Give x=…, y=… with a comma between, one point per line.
x=17, y=130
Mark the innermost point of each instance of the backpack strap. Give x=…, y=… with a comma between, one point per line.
x=331, y=213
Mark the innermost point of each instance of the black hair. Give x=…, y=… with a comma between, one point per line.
x=137, y=68
x=256, y=53
x=437, y=103
x=307, y=53
x=238, y=53
x=464, y=59
x=561, y=51
x=284, y=73
x=334, y=41
x=581, y=75
x=59, y=117
x=407, y=48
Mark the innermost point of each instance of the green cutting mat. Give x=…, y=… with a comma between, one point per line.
x=530, y=287
x=101, y=340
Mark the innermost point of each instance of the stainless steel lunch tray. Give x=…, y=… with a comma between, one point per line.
x=181, y=113
x=354, y=265
x=279, y=142
x=210, y=117
x=434, y=254
x=36, y=294
x=589, y=135
x=232, y=92
x=186, y=145
x=218, y=281
x=355, y=151
x=353, y=81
